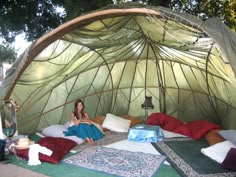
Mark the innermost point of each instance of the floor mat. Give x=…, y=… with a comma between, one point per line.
x=117, y=162
x=184, y=154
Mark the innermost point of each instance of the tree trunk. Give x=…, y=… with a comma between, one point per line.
x=1, y=71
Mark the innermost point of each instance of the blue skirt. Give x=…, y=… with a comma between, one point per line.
x=84, y=131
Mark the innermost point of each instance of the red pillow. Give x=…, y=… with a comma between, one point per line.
x=183, y=129
x=169, y=123
x=59, y=146
x=199, y=128
x=230, y=160
x=165, y=121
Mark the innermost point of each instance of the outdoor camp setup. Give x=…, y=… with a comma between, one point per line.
x=159, y=84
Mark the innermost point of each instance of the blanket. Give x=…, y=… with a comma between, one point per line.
x=196, y=129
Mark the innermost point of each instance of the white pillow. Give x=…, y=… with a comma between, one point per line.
x=57, y=131
x=67, y=124
x=115, y=123
x=54, y=130
x=169, y=134
x=218, y=152
x=228, y=135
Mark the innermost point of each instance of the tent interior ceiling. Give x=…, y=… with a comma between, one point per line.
x=112, y=60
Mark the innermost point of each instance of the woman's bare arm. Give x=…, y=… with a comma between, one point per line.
x=73, y=119
x=86, y=119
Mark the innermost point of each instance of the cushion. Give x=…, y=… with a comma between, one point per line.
x=199, y=128
x=218, y=152
x=134, y=120
x=195, y=129
x=54, y=130
x=99, y=120
x=166, y=122
x=57, y=131
x=230, y=160
x=116, y=123
x=35, y=136
x=229, y=135
x=59, y=146
x=213, y=137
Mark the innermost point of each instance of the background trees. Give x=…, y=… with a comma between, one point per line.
x=34, y=18
x=204, y=9
x=7, y=54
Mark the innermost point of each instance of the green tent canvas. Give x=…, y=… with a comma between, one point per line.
x=113, y=57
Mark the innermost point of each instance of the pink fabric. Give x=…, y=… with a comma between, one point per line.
x=195, y=129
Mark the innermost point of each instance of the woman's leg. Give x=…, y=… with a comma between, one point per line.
x=90, y=141
x=96, y=133
x=93, y=143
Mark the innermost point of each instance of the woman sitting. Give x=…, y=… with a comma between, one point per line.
x=82, y=126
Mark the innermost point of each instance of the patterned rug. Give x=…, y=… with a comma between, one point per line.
x=188, y=167
x=117, y=162
x=109, y=137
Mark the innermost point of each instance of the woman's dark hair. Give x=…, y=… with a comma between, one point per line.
x=76, y=110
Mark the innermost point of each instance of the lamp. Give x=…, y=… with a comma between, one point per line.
x=147, y=105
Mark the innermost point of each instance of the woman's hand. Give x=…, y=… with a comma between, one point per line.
x=86, y=121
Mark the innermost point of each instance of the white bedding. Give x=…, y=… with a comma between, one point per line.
x=132, y=146
x=57, y=131
x=146, y=147
x=168, y=134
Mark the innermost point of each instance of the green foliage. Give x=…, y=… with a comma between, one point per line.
x=229, y=14
x=7, y=53
x=164, y=3
x=204, y=9
x=34, y=18
x=75, y=8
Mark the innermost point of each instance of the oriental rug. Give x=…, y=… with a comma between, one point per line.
x=184, y=154
x=109, y=137
x=117, y=162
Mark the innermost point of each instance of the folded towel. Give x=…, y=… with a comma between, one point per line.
x=34, y=151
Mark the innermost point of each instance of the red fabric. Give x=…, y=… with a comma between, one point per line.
x=184, y=130
x=195, y=129
x=167, y=122
x=59, y=146
x=199, y=128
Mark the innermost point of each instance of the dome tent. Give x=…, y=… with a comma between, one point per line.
x=111, y=58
